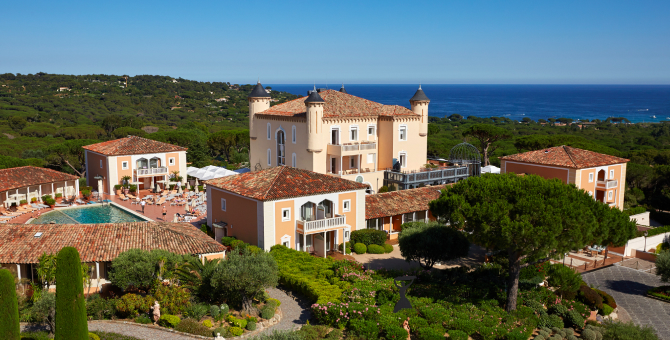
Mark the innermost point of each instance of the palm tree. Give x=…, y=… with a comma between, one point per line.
x=125, y=180
x=195, y=276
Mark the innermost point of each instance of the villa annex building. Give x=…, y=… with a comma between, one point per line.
x=300, y=209
x=145, y=161
x=602, y=176
x=333, y=132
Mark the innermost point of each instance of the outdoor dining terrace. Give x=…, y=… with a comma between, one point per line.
x=426, y=176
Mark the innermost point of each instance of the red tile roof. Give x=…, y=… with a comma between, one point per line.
x=21, y=177
x=566, y=156
x=132, y=145
x=401, y=202
x=339, y=104
x=283, y=182
x=100, y=242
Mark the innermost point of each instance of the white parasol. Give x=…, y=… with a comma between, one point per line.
x=179, y=190
x=196, y=182
x=196, y=187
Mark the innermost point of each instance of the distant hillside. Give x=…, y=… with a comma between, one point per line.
x=68, y=100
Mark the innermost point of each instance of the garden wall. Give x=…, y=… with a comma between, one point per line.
x=638, y=243
x=643, y=255
x=641, y=219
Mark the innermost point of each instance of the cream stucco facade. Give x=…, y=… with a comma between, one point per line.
x=357, y=146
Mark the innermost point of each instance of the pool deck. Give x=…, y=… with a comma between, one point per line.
x=151, y=211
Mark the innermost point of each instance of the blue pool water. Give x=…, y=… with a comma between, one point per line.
x=88, y=215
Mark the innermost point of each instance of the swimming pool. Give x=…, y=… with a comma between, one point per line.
x=108, y=213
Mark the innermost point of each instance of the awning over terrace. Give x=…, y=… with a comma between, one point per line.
x=209, y=172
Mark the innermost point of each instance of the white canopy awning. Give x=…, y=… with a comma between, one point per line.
x=209, y=172
x=491, y=169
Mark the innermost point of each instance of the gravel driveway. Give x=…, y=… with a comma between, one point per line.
x=295, y=310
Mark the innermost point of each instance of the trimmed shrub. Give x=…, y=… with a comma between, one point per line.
x=606, y=310
x=301, y=272
x=207, y=323
x=9, y=307
x=550, y=321
x=173, y=299
x=93, y=336
x=360, y=248
x=573, y=318
x=267, y=313
x=341, y=247
x=558, y=309
x=628, y=331
x=224, y=309
x=220, y=330
x=539, y=337
x=169, y=321
x=276, y=302
x=588, y=334
x=456, y=335
x=196, y=311
x=241, y=323
x=71, y=322
x=590, y=297
x=214, y=311
x=608, y=299
x=515, y=335
x=429, y=333
x=192, y=327
x=368, y=237
x=375, y=249
x=143, y=319
x=235, y=331
x=251, y=326
x=388, y=248
x=395, y=332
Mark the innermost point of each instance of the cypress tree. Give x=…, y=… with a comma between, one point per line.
x=9, y=307
x=70, y=304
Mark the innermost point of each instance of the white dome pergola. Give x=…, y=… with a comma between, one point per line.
x=209, y=172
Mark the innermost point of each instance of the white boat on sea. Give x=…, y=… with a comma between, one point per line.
x=653, y=117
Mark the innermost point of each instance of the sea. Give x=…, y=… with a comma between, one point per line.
x=637, y=103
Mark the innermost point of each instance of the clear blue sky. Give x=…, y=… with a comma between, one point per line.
x=283, y=42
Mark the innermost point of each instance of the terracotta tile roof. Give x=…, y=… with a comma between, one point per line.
x=21, y=177
x=132, y=145
x=339, y=104
x=401, y=202
x=566, y=156
x=100, y=242
x=283, y=182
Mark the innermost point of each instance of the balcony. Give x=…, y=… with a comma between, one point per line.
x=608, y=183
x=308, y=227
x=152, y=171
x=348, y=149
x=408, y=180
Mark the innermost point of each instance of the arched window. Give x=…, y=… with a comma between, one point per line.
x=324, y=209
x=154, y=162
x=601, y=175
x=281, y=148
x=294, y=162
x=293, y=136
x=307, y=211
x=142, y=163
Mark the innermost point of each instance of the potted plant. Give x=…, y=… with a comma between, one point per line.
x=45, y=197
x=50, y=202
x=59, y=197
x=117, y=188
x=33, y=200
x=133, y=188
x=86, y=193
x=23, y=202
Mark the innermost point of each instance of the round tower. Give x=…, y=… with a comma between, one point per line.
x=259, y=100
x=314, y=108
x=419, y=105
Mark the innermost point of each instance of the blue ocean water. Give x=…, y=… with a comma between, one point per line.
x=638, y=103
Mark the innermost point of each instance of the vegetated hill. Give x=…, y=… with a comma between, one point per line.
x=69, y=100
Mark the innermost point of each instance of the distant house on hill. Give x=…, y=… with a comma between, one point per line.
x=602, y=176
x=61, y=89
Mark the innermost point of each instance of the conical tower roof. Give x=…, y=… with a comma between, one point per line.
x=259, y=92
x=419, y=96
x=343, y=90
x=314, y=97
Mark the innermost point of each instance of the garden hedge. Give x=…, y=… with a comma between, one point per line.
x=360, y=248
x=71, y=322
x=306, y=274
x=368, y=237
x=9, y=307
x=375, y=249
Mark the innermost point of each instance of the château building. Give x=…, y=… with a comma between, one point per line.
x=333, y=132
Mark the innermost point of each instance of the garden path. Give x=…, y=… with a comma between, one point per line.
x=140, y=332
x=295, y=310
x=628, y=287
